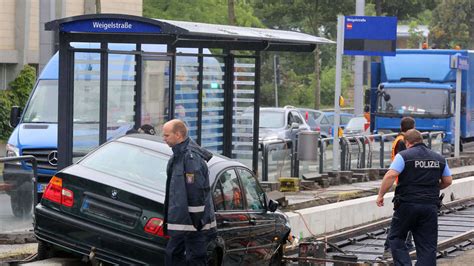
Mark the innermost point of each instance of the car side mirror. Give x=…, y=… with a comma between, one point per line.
x=272, y=205
x=295, y=125
x=15, y=115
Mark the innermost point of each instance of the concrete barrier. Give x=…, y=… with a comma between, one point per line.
x=329, y=218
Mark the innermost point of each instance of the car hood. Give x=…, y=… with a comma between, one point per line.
x=271, y=133
x=34, y=135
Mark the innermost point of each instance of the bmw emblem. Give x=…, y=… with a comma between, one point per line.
x=114, y=194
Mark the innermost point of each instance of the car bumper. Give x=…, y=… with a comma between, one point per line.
x=78, y=236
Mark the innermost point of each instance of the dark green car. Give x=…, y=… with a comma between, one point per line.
x=109, y=206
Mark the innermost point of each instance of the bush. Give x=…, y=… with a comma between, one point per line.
x=16, y=95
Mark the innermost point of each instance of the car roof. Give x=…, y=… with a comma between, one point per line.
x=152, y=142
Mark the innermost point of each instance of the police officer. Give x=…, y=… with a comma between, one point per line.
x=421, y=174
x=398, y=145
x=189, y=212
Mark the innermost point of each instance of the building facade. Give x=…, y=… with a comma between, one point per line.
x=22, y=36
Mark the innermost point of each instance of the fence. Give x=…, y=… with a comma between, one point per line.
x=279, y=157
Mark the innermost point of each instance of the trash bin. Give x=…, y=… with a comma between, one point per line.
x=308, y=142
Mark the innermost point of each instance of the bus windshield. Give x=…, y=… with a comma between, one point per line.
x=410, y=101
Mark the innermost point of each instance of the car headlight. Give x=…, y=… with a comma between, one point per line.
x=12, y=151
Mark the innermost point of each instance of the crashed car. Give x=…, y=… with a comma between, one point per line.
x=109, y=207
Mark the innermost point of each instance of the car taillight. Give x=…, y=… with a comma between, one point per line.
x=317, y=128
x=56, y=193
x=154, y=226
x=67, y=198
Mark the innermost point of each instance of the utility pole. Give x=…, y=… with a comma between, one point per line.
x=231, y=11
x=359, y=70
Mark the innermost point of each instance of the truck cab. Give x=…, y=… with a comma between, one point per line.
x=420, y=84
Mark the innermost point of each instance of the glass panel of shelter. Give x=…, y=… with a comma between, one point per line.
x=86, y=82
x=121, y=82
x=243, y=103
x=212, y=132
x=155, y=92
x=187, y=93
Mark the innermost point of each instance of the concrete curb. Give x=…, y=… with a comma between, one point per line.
x=329, y=218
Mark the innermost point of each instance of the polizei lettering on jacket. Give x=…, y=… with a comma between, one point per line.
x=426, y=164
x=111, y=25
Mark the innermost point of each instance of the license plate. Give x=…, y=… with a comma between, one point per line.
x=41, y=187
x=85, y=204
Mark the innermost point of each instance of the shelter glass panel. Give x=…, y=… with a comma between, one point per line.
x=187, y=93
x=120, y=94
x=243, y=101
x=212, y=136
x=86, y=103
x=155, y=92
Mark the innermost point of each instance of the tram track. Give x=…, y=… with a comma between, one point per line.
x=364, y=244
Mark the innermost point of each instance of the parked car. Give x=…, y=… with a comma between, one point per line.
x=109, y=205
x=357, y=126
x=323, y=121
x=278, y=122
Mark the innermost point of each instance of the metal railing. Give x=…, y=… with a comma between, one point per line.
x=359, y=149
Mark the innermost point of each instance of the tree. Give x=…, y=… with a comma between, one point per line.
x=402, y=9
x=317, y=17
x=207, y=11
x=453, y=24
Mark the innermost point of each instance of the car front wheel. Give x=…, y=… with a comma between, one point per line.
x=277, y=257
x=21, y=203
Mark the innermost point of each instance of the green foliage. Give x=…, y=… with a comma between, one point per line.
x=17, y=95
x=415, y=35
x=207, y=11
x=453, y=24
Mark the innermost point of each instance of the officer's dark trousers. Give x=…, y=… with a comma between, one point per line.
x=422, y=221
x=187, y=249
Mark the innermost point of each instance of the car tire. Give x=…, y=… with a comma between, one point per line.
x=277, y=257
x=21, y=203
x=214, y=258
x=45, y=251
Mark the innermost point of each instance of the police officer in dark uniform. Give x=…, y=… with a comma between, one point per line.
x=421, y=174
x=189, y=211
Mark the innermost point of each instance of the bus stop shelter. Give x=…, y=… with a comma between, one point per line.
x=118, y=72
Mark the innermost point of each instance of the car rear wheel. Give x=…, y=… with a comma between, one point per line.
x=45, y=251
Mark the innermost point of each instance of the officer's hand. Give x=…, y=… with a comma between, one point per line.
x=379, y=201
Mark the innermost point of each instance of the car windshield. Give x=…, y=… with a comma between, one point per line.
x=43, y=106
x=414, y=101
x=272, y=119
x=131, y=163
x=343, y=119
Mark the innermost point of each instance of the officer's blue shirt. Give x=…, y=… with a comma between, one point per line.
x=398, y=165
